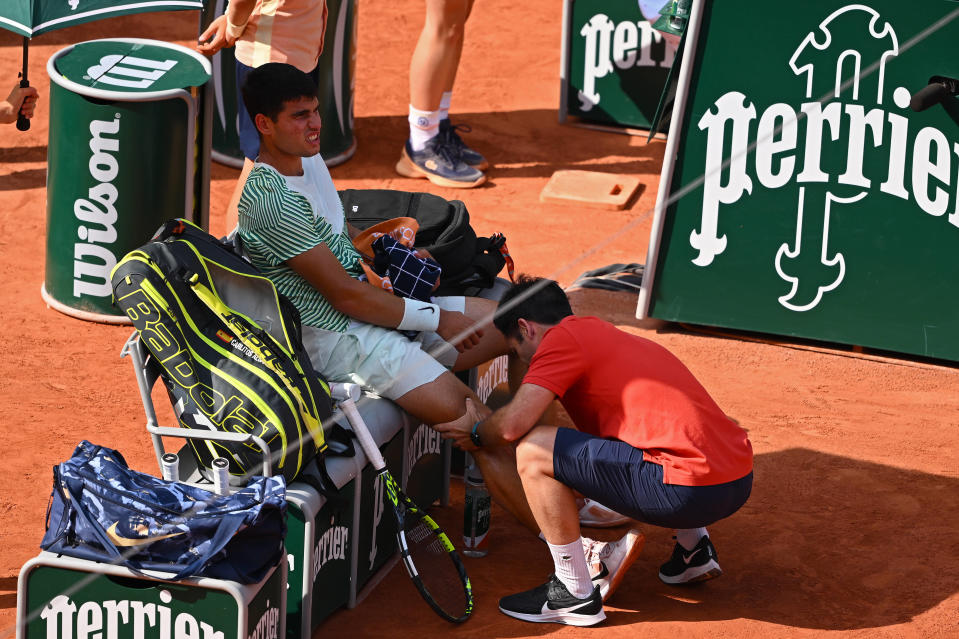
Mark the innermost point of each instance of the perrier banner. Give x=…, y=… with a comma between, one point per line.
x=801, y=195
x=614, y=63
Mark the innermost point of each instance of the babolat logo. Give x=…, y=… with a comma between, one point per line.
x=124, y=618
x=844, y=143
x=268, y=625
x=231, y=414
x=97, y=214
x=627, y=44
x=425, y=441
x=330, y=546
x=129, y=71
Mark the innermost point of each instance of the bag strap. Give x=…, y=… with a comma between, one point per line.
x=76, y=504
x=498, y=241
x=229, y=525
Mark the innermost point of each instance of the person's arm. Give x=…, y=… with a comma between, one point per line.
x=20, y=98
x=372, y=305
x=352, y=230
x=504, y=426
x=225, y=30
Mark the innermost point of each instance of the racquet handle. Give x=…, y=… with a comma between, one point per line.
x=348, y=406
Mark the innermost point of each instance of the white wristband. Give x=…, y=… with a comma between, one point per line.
x=419, y=316
x=234, y=30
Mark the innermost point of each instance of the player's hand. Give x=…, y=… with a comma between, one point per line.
x=21, y=100
x=458, y=430
x=215, y=37
x=459, y=330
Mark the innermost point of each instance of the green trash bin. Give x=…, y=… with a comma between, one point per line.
x=121, y=161
x=337, y=66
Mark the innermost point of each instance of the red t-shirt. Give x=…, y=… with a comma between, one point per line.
x=614, y=384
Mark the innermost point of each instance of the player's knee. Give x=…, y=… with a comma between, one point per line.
x=532, y=457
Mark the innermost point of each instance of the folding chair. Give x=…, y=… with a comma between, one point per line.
x=320, y=580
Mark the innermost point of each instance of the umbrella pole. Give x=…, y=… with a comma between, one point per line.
x=23, y=123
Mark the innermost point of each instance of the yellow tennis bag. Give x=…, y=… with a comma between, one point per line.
x=229, y=346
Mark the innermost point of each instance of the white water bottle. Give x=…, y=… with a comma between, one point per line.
x=476, y=511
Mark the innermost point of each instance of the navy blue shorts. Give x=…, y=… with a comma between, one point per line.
x=614, y=473
x=249, y=137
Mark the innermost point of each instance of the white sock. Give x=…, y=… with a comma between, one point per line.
x=445, y=105
x=424, y=125
x=570, y=563
x=689, y=537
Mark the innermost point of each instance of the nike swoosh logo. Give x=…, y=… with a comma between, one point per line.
x=689, y=558
x=548, y=608
x=120, y=540
x=602, y=573
x=427, y=308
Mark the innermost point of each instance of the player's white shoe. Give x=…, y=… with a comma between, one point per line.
x=608, y=561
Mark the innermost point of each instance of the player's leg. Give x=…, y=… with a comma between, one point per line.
x=491, y=345
x=432, y=73
x=569, y=596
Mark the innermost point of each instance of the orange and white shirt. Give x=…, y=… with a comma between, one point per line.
x=288, y=31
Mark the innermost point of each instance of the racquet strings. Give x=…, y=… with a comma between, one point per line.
x=435, y=565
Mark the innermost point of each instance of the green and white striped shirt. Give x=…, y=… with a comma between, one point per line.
x=282, y=216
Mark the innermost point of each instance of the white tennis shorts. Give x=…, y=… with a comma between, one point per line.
x=379, y=359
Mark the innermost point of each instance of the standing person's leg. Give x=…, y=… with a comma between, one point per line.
x=569, y=596
x=432, y=72
x=448, y=131
x=437, y=53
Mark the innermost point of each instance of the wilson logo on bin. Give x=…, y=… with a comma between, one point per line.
x=129, y=72
x=97, y=214
x=847, y=141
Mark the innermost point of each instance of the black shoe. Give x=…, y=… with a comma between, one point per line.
x=691, y=566
x=552, y=603
x=467, y=155
x=440, y=163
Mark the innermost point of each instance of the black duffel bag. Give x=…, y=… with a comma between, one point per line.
x=469, y=263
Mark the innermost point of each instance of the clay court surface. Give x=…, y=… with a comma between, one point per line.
x=852, y=529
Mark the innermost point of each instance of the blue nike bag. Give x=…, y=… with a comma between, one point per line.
x=102, y=510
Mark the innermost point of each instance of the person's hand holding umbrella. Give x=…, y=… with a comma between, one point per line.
x=21, y=101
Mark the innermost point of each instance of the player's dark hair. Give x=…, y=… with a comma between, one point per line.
x=267, y=87
x=537, y=299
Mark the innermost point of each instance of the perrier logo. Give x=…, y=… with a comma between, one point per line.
x=848, y=141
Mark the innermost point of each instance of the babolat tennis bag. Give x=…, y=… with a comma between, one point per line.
x=469, y=262
x=230, y=349
x=101, y=510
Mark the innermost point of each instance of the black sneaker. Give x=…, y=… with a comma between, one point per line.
x=691, y=566
x=440, y=163
x=469, y=156
x=552, y=603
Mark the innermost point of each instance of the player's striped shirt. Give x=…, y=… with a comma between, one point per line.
x=281, y=217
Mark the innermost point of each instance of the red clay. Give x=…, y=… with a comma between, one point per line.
x=852, y=526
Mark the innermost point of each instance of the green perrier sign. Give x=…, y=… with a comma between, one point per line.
x=615, y=64
x=801, y=195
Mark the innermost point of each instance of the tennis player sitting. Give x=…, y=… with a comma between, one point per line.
x=292, y=225
x=651, y=444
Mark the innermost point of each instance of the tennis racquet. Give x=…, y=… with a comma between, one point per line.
x=429, y=556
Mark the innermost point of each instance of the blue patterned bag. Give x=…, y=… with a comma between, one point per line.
x=102, y=510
